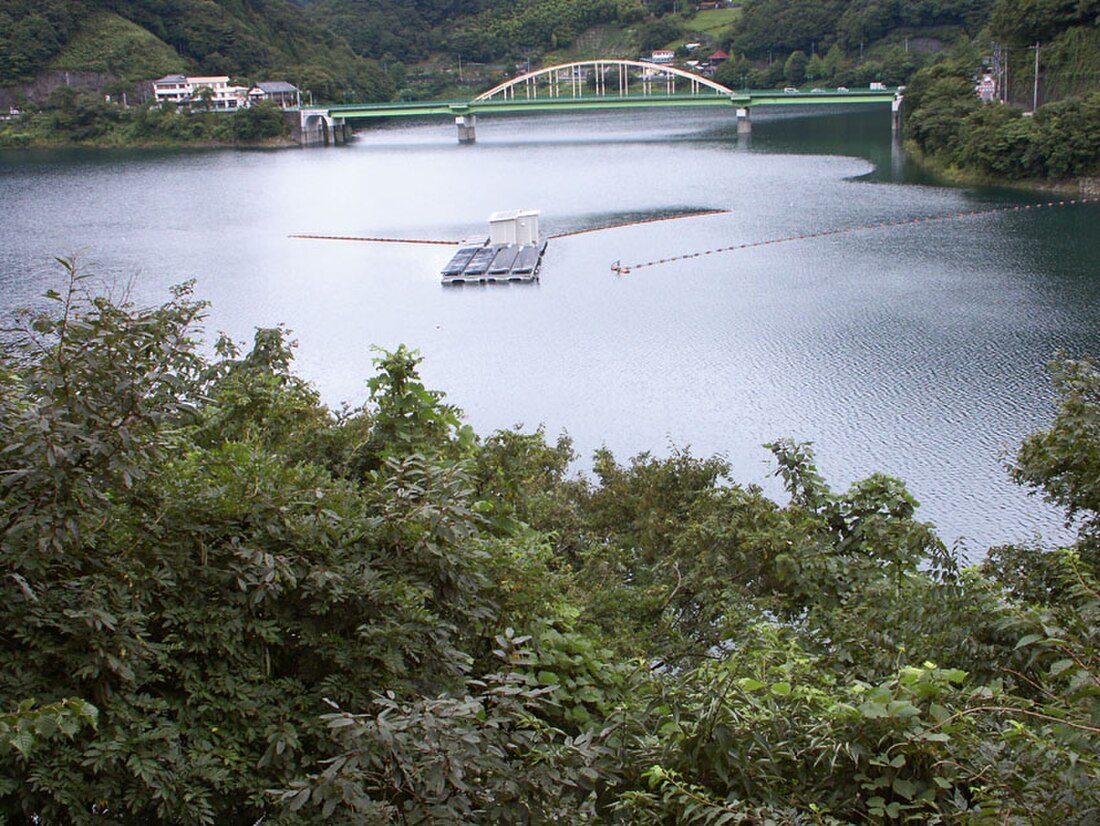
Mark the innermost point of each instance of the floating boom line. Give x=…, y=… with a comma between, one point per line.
x=619, y=268
x=376, y=240
x=600, y=228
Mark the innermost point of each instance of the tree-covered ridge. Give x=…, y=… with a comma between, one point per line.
x=410, y=31
x=483, y=30
x=783, y=26
x=541, y=25
x=258, y=39
x=225, y=603
x=402, y=31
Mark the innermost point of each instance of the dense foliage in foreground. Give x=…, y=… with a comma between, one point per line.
x=224, y=603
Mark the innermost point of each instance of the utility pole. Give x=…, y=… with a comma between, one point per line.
x=1035, y=89
x=999, y=71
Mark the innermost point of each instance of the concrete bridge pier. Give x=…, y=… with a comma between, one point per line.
x=317, y=127
x=744, y=121
x=467, y=128
x=895, y=108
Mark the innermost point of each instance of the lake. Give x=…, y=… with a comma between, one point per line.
x=917, y=350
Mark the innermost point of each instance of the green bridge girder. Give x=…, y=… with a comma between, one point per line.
x=458, y=108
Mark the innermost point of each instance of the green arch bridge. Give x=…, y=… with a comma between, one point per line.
x=593, y=84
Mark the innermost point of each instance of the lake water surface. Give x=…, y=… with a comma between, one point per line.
x=915, y=350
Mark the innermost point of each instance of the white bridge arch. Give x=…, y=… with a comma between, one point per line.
x=571, y=80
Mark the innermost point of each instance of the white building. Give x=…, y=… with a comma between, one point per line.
x=514, y=226
x=187, y=91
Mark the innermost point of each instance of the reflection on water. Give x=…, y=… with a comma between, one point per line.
x=614, y=220
x=915, y=350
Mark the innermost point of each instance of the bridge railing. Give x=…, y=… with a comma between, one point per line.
x=604, y=78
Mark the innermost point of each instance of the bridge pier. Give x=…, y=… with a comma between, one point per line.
x=895, y=108
x=744, y=121
x=467, y=128
x=317, y=127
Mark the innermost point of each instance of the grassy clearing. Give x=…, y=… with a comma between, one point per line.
x=599, y=41
x=713, y=21
x=614, y=41
x=710, y=26
x=109, y=43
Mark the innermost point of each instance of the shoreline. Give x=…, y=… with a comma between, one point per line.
x=953, y=175
x=284, y=142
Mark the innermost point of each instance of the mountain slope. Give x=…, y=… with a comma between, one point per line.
x=111, y=44
x=408, y=30
x=258, y=39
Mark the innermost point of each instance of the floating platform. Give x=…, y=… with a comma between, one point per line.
x=489, y=263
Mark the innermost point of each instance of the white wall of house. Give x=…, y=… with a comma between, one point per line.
x=178, y=89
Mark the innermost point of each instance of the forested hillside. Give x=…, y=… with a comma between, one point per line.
x=1068, y=37
x=320, y=44
x=782, y=26
x=225, y=604
x=1058, y=138
x=136, y=39
x=492, y=30
x=404, y=31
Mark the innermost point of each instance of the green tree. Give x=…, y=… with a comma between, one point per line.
x=655, y=34
x=259, y=121
x=999, y=141
x=734, y=72
x=1064, y=460
x=29, y=43
x=835, y=61
x=783, y=26
x=1065, y=141
x=481, y=757
x=203, y=99
x=939, y=99
x=794, y=69
x=815, y=69
x=171, y=557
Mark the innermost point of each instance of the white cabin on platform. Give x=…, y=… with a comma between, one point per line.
x=514, y=226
